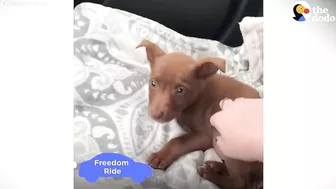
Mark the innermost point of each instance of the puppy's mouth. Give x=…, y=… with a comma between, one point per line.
x=162, y=120
x=162, y=116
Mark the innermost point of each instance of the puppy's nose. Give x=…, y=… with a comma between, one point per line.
x=157, y=114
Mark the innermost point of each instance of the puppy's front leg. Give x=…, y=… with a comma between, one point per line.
x=178, y=147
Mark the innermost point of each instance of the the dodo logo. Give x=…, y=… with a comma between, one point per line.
x=303, y=12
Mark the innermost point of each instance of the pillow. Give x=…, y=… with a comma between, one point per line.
x=252, y=29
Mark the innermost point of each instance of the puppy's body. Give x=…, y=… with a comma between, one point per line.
x=196, y=120
x=189, y=91
x=216, y=88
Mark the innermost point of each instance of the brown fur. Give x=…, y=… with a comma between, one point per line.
x=189, y=91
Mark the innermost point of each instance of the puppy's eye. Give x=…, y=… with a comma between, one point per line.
x=180, y=90
x=153, y=83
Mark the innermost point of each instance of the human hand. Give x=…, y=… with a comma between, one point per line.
x=240, y=128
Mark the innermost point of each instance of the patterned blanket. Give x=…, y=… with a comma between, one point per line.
x=110, y=96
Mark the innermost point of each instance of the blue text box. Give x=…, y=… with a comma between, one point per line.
x=115, y=166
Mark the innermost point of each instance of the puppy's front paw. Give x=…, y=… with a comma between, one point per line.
x=160, y=160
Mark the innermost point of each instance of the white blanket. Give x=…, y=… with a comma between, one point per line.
x=111, y=76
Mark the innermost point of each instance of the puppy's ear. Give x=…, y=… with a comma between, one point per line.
x=152, y=50
x=208, y=66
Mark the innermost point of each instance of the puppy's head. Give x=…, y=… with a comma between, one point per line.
x=176, y=80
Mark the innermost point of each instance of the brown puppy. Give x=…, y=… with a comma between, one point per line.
x=190, y=91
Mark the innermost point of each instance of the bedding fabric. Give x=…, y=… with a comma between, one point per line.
x=110, y=92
